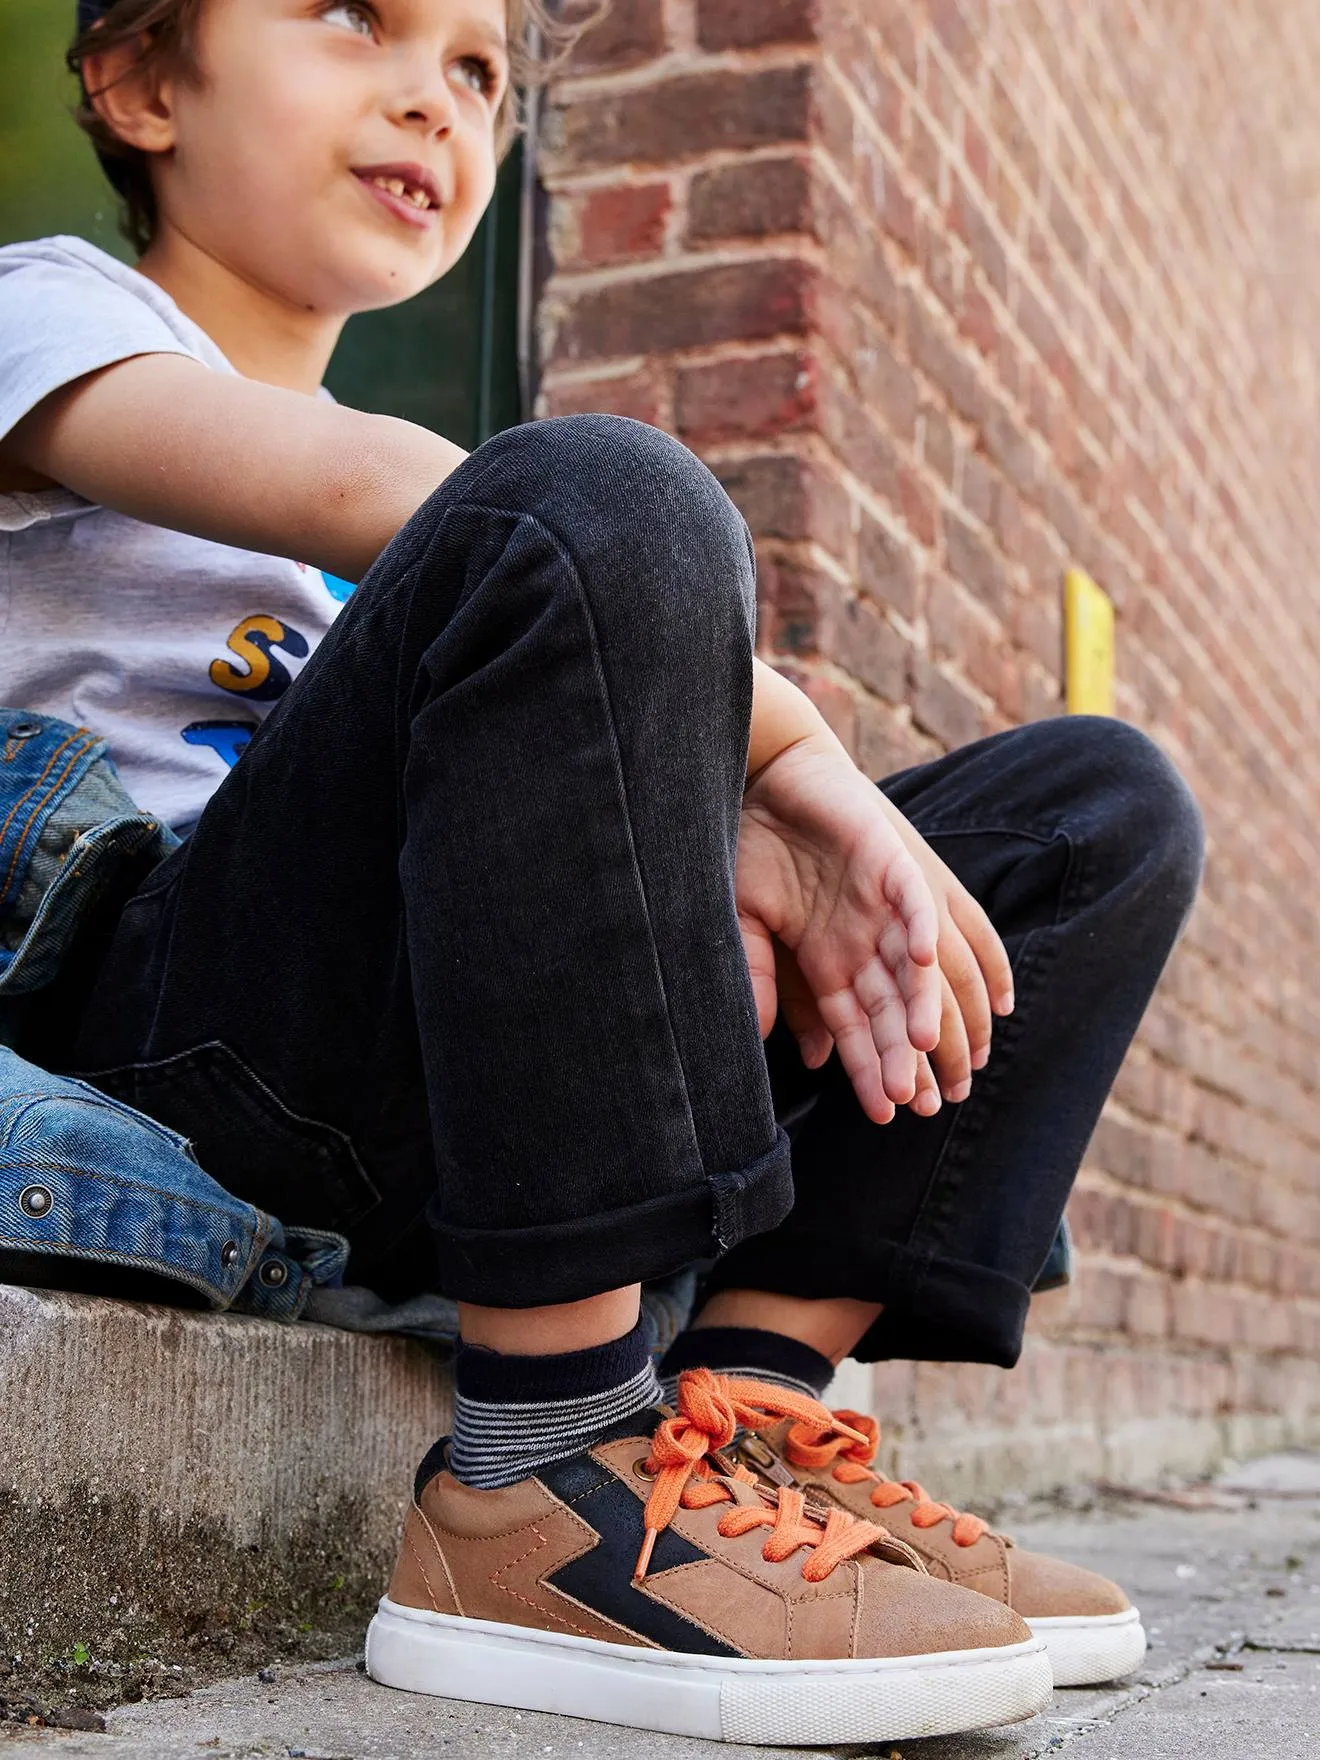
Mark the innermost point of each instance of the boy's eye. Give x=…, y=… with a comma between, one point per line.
x=479, y=73
x=354, y=18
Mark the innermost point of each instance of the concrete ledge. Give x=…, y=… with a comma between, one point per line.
x=198, y=1488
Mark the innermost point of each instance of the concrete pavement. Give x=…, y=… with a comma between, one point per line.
x=1227, y=1577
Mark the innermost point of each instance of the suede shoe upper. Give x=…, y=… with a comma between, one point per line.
x=833, y=1464
x=653, y=1538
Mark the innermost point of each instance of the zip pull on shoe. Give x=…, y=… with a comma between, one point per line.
x=711, y=1410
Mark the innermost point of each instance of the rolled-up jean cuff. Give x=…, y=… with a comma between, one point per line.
x=958, y=1313
x=936, y=1310
x=571, y=1260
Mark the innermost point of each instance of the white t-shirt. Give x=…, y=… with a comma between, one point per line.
x=170, y=646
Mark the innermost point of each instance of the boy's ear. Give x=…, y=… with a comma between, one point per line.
x=132, y=95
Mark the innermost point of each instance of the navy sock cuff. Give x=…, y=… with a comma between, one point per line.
x=497, y=1379
x=747, y=1347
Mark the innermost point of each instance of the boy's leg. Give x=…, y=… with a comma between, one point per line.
x=923, y=1238
x=1084, y=846
x=457, y=937
x=460, y=927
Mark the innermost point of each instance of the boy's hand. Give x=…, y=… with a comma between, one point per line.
x=823, y=872
x=976, y=977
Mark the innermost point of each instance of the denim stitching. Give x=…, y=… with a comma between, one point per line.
x=1034, y=961
x=36, y=810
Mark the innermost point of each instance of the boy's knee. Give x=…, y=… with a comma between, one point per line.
x=636, y=510
x=1143, y=814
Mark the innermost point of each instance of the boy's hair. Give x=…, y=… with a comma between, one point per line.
x=539, y=40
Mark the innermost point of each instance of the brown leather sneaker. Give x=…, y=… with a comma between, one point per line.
x=649, y=1582
x=1091, y=1630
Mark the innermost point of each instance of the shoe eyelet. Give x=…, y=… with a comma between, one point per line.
x=273, y=1274
x=642, y=1471
x=228, y=1254
x=36, y=1202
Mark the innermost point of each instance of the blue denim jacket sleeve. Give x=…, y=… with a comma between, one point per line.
x=83, y=1176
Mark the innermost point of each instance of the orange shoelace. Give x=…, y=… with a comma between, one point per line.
x=813, y=1447
x=711, y=1410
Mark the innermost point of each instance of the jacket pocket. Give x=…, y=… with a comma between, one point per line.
x=300, y=1169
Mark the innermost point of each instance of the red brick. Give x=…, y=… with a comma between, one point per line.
x=680, y=118
x=754, y=24
x=981, y=236
x=740, y=397
x=799, y=602
x=974, y=561
x=615, y=224
x=632, y=394
x=691, y=308
x=978, y=320
x=889, y=387
x=750, y=200
x=944, y=363
x=622, y=36
x=920, y=507
x=886, y=571
x=875, y=651
x=944, y=707
x=783, y=496
x=949, y=21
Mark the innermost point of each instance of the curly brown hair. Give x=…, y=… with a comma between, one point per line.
x=539, y=41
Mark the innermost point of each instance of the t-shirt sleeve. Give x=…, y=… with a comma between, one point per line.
x=60, y=319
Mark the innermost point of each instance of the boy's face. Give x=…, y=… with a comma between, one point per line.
x=307, y=113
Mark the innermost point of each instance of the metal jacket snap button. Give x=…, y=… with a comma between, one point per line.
x=273, y=1274
x=36, y=1201
x=228, y=1253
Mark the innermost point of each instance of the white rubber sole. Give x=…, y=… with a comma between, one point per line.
x=1087, y=1650
x=722, y=1699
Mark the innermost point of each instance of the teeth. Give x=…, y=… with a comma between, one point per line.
x=397, y=187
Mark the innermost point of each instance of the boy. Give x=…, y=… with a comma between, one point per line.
x=472, y=955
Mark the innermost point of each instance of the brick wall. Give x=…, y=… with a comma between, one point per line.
x=951, y=294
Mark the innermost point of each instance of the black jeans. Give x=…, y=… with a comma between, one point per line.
x=451, y=962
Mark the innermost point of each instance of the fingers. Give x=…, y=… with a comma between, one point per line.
x=986, y=948
x=969, y=1048
x=919, y=986
x=952, y=1060
x=801, y=1015
x=855, y=1034
x=759, y=948
x=907, y=892
x=926, y=1101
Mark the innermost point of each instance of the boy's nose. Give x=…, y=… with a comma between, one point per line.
x=424, y=99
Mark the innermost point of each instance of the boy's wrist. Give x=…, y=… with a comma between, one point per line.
x=783, y=716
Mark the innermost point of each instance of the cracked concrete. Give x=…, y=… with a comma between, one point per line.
x=1227, y=1577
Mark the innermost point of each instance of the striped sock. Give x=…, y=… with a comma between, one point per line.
x=515, y=1414
x=746, y=1353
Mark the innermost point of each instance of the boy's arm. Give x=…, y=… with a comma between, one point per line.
x=782, y=715
x=169, y=441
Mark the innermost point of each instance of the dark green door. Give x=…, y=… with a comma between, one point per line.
x=447, y=359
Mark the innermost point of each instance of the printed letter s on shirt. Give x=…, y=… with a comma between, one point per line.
x=265, y=676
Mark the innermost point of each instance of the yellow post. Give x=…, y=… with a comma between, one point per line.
x=1088, y=640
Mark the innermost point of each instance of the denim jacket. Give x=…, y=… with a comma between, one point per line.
x=83, y=1177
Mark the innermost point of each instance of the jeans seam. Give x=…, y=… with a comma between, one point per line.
x=1034, y=959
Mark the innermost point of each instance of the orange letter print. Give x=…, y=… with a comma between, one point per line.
x=266, y=677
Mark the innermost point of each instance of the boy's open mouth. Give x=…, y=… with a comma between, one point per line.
x=409, y=190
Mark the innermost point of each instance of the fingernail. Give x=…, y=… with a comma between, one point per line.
x=959, y=1093
x=1005, y=1003
x=981, y=1057
x=928, y=1104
